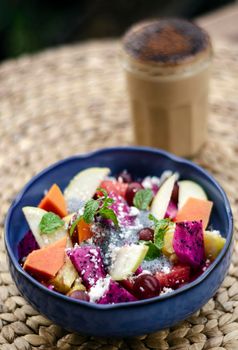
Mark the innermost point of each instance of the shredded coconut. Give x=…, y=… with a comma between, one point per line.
x=166, y=290
x=96, y=292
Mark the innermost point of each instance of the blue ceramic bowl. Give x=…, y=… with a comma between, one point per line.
x=125, y=319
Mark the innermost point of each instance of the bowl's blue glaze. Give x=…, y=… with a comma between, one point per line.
x=126, y=319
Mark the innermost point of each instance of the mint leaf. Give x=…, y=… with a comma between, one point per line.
x=107, y=213
x=142, y=199
x=100, y=206
x=50, y=222
x=153, y=251
x=90, y=209
x=160, y=229
x=152, y=218
x=74, y=224
x=159, y=238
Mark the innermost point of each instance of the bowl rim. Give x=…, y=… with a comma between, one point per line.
x=101, y=151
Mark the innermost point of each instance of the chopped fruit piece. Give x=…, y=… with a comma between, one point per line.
x=84, y=231
x=146, y=234
x=66, y=276
x=214, y=243
x=171, y=211
x=54, y=201
x=174, y=196
x=26, y=245
x=161, y=200
x=88, y=262
x=33, y=216
x=121, y=209
x=77, y=285
x=194, y=210
x=132, y=188
x=83, y=186
x=116, y=187
x=80, y=295
x=189, y=189
x=126, y=261
x=44, y=263
x=168, y=243
x=178, y=276
x=188, y=243
x=125, y=177
x=128, y=284
x=69, y=217
x=146, y=286
x=116, y=294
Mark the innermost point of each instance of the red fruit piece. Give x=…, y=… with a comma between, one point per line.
x=80, y=295
x=116, y=187
x=146, y=234
x=128, y=284
x=132, y=188
x=125, y=177
x=146, y=286
x=178, y=276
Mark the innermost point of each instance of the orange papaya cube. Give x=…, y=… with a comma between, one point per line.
x=54, y=201
x=195, y=209
x=44, y=263
x=84, y=231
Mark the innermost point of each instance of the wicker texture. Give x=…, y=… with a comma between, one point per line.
x=71, y=100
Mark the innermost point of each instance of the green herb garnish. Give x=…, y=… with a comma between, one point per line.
x=90, y=210
x=153, y=252
x=160, y=229
x=94, y=207
x=50, y=222
x=142, y=199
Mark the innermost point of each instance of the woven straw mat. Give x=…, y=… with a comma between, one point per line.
x=71, y=100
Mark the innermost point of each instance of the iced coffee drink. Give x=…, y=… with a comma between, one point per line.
x=167, y=64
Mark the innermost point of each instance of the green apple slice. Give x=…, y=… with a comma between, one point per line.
x=126, y=260
x=83, y=186
x=189, y=189
x=161, y=200
x=33, y=217
x=213, y=244
x=78, y=285
x=65, y=278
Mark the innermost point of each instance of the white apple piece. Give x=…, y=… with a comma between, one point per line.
x=161, y=200
x=189, y=189
x=33, y=217
x=83, y=186
x=126, y=260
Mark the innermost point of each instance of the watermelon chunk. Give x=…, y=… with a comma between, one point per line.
x=188, y=243
x=116, y=294
x=119, y=188
x=178, y=276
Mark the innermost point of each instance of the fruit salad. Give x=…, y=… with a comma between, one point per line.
x=110, y=240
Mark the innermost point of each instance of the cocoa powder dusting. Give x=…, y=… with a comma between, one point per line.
x=166, y=41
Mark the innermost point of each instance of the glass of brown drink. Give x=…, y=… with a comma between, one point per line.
x=167, y=64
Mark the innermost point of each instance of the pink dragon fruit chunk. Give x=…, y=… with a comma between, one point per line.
x=122, y=210
x=88, y=262
x=188, y=243
x=116, y=294
x=171, y=211
x=27, y=245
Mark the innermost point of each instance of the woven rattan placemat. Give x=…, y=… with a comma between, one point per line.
x=72, y=100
